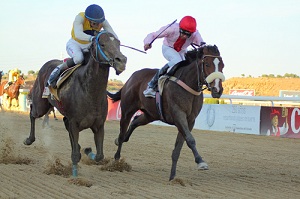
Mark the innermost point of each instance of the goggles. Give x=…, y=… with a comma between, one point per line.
x=185, y=32
x=92, y=23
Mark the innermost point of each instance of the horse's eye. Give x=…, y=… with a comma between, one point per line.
x=207, y=65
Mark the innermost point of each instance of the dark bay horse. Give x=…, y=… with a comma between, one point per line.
x=13, y=90
x=180, y=104
x=83, y=101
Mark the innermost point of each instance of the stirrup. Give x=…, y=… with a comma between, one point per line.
x=149, y=92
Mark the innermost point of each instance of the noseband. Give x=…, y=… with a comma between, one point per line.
x=108, y=60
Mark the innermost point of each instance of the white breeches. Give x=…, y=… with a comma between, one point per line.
x=172, y=55
x=75, y=50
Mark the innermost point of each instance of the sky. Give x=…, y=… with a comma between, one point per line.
x=254, y=37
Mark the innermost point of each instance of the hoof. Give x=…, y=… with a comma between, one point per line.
x=74, y=171
x=28, y=141
x=202, y=166
x=117, y=141
x=87, y=151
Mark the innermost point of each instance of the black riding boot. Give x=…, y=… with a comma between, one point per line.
x=57, y=71
x=152, y=85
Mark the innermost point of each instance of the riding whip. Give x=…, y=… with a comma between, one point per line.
x=162, y=31
x=133, y=48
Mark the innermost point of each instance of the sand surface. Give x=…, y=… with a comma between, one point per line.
x=240, y=166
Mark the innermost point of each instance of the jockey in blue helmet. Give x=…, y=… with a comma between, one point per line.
x=94, y=13
x=85, y=27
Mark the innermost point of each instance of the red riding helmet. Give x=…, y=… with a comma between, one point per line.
x=188, y=23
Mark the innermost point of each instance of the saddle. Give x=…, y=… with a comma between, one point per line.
x=63, y=76
x=60, y=80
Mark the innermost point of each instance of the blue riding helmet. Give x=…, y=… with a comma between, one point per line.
x=94, y=13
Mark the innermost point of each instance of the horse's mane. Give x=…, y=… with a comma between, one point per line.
x=192, y=55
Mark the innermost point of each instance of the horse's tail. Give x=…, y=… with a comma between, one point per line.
x=114, y=96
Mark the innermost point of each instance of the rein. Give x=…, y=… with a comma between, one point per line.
x=204, y=76
x=203, y=73
x=109, y=61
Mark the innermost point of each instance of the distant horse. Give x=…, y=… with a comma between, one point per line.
x=181, y=100
x=82, y=97
x=13, y=90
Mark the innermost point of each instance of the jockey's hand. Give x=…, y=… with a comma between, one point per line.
x=147, y=46
x=92, y=39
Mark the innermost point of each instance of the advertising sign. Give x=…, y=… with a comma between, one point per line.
x=280, y=122
x=244, y=92
x=230, y=118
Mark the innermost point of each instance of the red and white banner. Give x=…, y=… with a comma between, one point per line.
x=244, y=92
x=280, y=122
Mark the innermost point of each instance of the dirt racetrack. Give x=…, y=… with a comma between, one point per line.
x=240, y=166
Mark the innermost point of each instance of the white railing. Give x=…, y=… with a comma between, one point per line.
x=280, y=100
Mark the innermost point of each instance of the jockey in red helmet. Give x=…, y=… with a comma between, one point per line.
x=177, y=37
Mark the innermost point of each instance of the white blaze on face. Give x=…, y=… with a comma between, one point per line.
x=112, y=38
x=216, y=62
x=216, y=76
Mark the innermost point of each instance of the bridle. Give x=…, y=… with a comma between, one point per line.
x=99, y=50
x=206, y=78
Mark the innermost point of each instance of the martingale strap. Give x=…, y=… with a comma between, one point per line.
x=183, y=85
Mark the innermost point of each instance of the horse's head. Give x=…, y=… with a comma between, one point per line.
x=106, y=49
x=212, y=70
x=21, y=80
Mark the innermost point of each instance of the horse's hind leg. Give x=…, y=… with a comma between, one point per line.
x=175, y=154
x=139, y=120
x=31, y=137
x=124, y=135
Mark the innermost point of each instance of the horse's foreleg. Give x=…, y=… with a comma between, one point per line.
x=31, y=138
x=17, y=102
x=190, y=140
x=74, y=137
x=175, y=154
x=10, y=102
x=185, y=129
x=99, y=138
